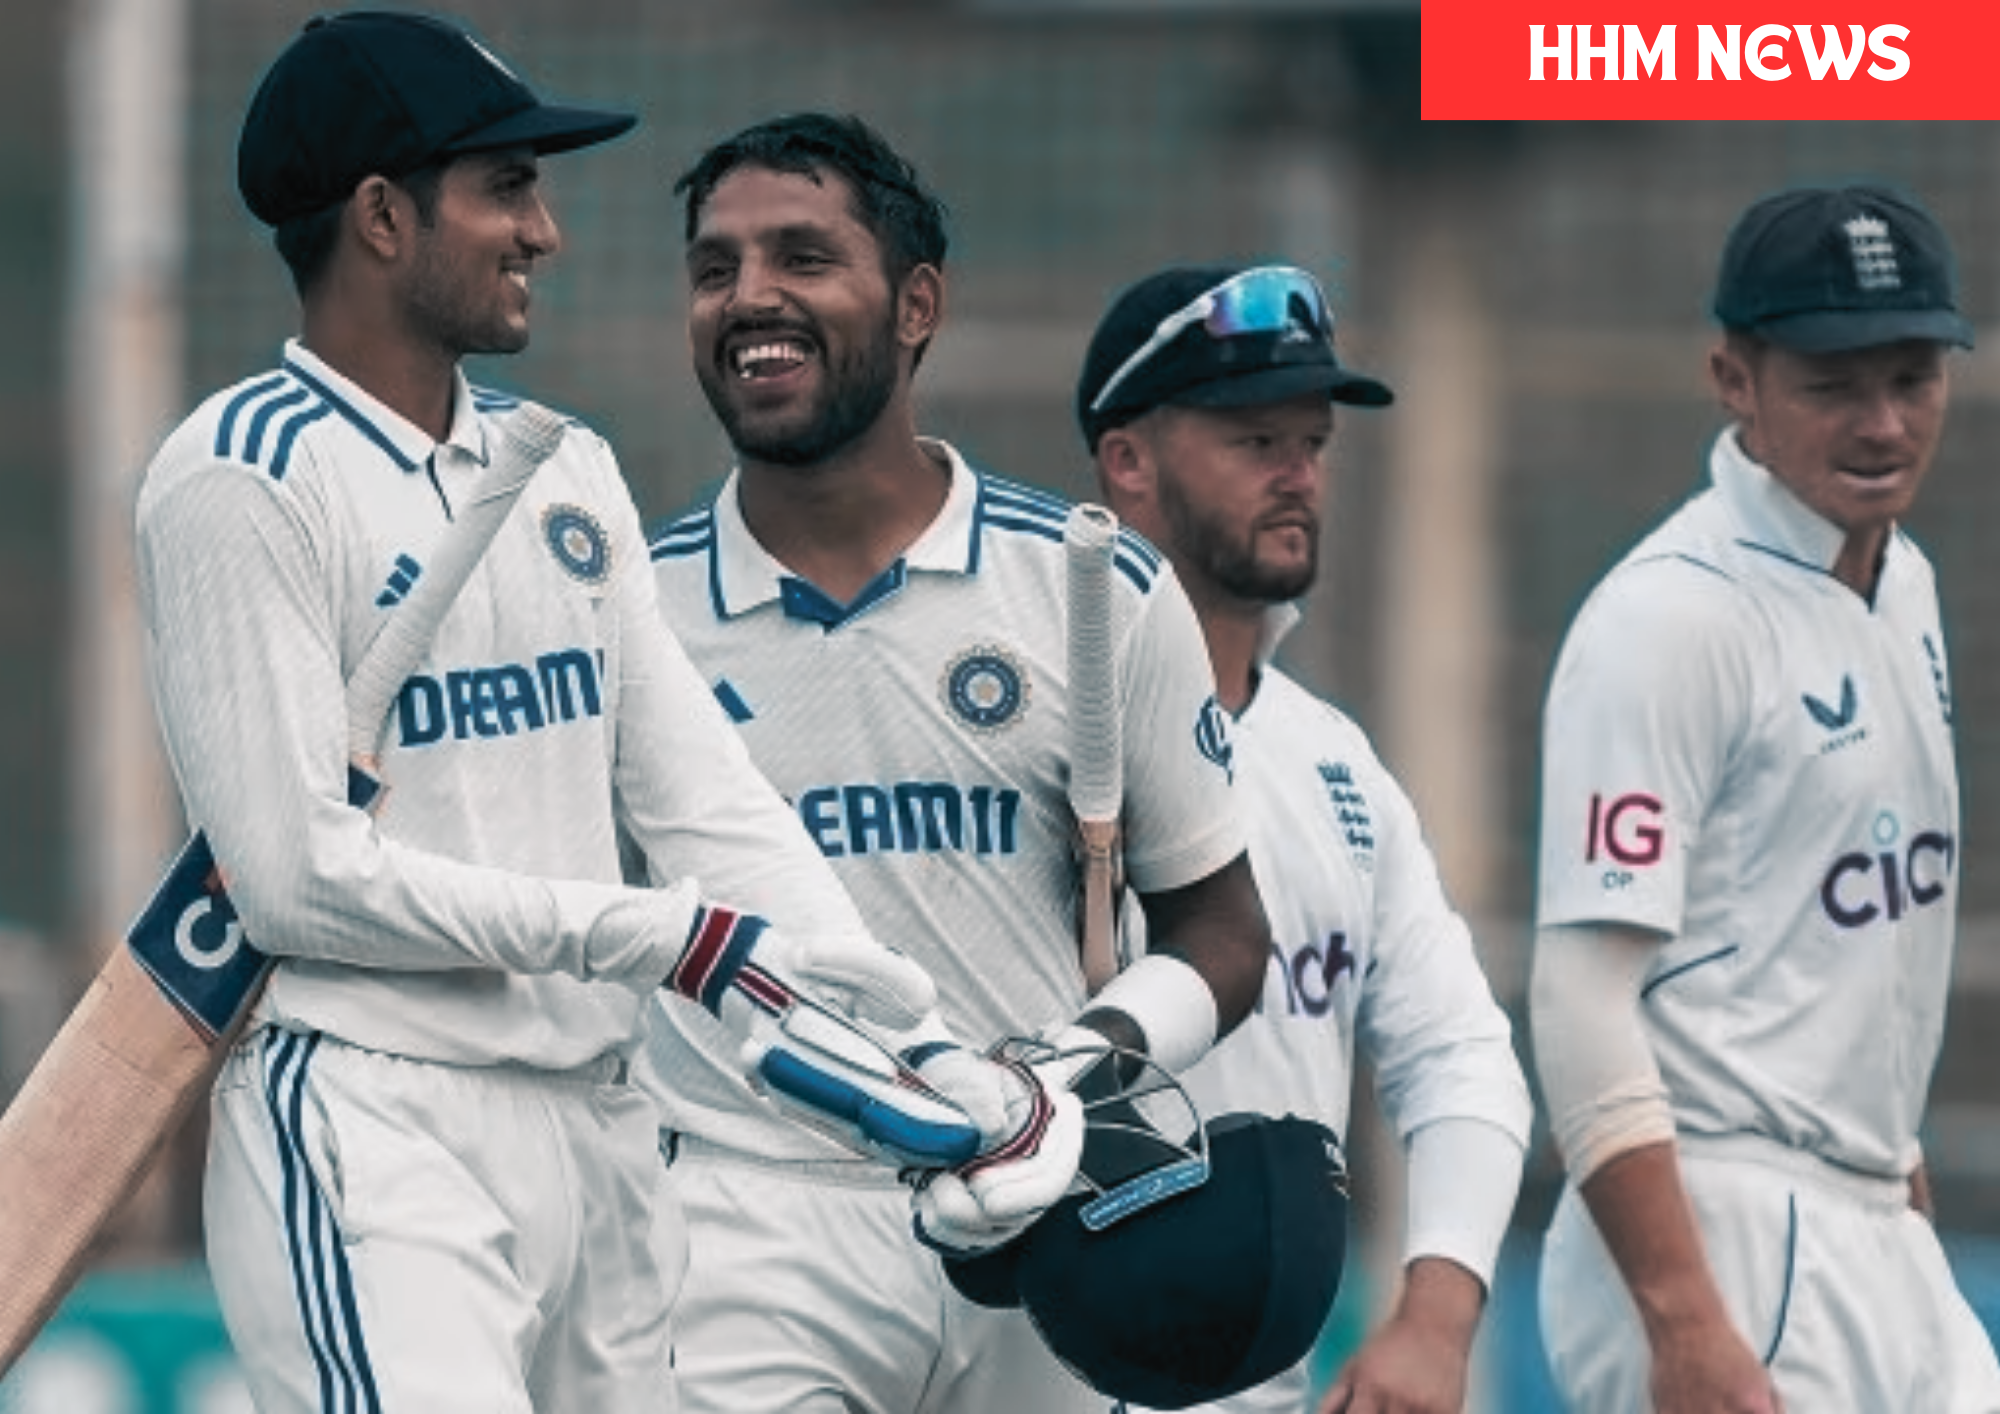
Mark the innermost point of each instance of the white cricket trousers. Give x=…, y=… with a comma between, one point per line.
x=1831, y=1277
x=391, y=1236
x=807, y=1293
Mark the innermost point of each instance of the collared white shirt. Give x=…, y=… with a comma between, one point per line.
x=479, y=916
x=1745, y=755
x=919, y=731
x=1367, y=951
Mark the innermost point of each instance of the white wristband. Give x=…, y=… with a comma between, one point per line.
x=1171, y=1005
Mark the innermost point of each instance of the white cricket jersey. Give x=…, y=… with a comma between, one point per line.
x=1743, y=754
x=919, y=732
x=1365, y=947
x=478, y=917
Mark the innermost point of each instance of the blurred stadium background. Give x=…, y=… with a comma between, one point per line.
x=1535, y=292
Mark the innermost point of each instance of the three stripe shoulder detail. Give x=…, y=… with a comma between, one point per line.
x=261, y=422
x=1017, y=507
x=689, y=534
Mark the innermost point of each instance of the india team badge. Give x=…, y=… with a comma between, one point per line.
x=986, y=687
x=578, y=542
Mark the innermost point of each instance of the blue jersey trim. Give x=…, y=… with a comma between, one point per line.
x=732, y=701
x=253, y=439
x=1688, y=966
x=687, y=535
x=225, y=429
x=1791, y=1277
x=281, y=454
x=1010, y=505
x=354, y=415
x=802, y=599
x=322, y=1281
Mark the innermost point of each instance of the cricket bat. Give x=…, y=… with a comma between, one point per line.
x=150, y=1033
x=1096, y=748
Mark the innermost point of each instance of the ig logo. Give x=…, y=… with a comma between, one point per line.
x=207, y=934
x=1630, y=832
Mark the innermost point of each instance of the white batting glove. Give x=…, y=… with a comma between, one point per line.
x=794, y=1003
x=1029, y=1159
x=738, y=966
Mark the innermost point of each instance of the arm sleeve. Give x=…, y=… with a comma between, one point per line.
x=1180, y=819
x=244, y=655
x=1599, y=1079
x=1440, y=1044
x=1464, y=1175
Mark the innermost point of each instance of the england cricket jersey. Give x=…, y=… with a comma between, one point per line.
x=1745, y=755
x=1366, y=949
x=918, y=730
x=479, y=916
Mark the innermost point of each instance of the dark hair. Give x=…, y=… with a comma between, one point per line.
x=906, y=218
x=306, y=242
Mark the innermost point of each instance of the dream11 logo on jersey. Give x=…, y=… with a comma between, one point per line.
x=1629, y=832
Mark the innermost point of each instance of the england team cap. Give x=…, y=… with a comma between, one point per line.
x=1199, y=368
x=365, y=92
x=1204, y=1294
x=1825, y=269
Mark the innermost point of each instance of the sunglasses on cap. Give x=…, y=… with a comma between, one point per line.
x=1266, y=300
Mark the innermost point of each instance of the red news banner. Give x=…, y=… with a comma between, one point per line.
x=1710, y=59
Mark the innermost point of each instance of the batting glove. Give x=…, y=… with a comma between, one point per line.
x=794, y=1001
x=1029, y=1159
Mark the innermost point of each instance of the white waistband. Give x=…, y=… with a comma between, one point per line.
x=1872, y=1189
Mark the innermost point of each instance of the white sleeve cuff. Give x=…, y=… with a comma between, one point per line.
x=1464, y=1175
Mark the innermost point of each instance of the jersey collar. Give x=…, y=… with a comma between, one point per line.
x=745, y=576
x=1768, y=514
x=1279, y=621
x=408, y=445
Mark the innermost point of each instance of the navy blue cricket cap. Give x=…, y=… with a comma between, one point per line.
x=1200, y=1296
x=379, y=93
x=1826, y=269
x=1129, y=369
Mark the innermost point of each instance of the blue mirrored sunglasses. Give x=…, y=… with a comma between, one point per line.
x=1266, y=300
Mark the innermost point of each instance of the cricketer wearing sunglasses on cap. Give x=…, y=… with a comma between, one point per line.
x=1208, y=399
x=886, y=622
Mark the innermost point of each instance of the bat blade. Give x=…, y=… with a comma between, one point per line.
x=105, y=1098
x=1096, y=750
x=148, y=1037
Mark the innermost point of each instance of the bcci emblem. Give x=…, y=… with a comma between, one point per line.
x=985, y=687
x=578, y=542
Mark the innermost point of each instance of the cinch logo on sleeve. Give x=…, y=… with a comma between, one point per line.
x=912, y=817
x=1891, y=878
x=468, y=703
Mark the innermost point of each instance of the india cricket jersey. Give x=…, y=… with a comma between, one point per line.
x=1743, y=754
x=918, y=730
x=479, y=916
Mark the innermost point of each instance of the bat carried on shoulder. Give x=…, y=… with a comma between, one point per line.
x=150, y=1033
